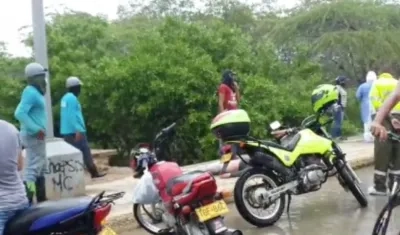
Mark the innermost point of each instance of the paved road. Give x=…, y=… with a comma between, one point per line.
x=330, y=211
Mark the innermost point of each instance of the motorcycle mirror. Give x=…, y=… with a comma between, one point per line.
x=275, y=125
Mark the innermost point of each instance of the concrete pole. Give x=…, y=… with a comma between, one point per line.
x=40, y=53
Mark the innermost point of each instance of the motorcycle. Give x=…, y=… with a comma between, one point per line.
x=382, y=222
x=299, y=163
x=190, y=203
x=74, y=216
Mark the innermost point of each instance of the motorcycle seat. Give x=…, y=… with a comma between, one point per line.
x=45, y=214
x=176, y=185
x=288, y=145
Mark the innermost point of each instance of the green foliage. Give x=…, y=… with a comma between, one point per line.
x=162, y=62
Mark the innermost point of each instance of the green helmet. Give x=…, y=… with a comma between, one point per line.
x=324, y=96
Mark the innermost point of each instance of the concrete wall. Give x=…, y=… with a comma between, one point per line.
x=65, y=171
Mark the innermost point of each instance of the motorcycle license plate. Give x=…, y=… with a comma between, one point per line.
x=107, y=231
x=212, y=210
x=226, y=157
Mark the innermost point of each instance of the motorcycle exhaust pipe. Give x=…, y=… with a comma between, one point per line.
x=233, y=232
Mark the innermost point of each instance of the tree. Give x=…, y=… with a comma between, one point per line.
x=161, y=62
x=339, y=33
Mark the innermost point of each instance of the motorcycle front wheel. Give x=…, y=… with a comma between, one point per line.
x=246, y=199
x=349, y=179
x=153, y=225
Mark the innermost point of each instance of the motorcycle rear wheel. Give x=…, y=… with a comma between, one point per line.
x=350, y=181
x=241, y=202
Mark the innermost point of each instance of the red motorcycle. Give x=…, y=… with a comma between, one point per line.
x=190, y=202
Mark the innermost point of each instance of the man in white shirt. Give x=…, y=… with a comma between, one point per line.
x=13, y=196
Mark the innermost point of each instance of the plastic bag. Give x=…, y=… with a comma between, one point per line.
x=145, y=191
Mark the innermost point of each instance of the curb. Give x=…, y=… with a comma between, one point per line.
x=125, y=220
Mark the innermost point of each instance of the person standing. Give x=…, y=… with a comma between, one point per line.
x=32, y=116
x=362, y=95
x=336, y=131
x=72, y=124
x=228, y=92
x=12, y=191
x=385, y=151
x=228, y=99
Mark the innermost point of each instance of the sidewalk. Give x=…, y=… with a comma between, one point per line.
x=359, y=154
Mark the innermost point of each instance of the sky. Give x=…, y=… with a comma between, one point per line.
x=16, y=14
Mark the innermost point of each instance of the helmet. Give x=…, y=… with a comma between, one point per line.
x=73, y=81
x=341, y=80
x=34, y=70
x=323, y=97
x=371, y=76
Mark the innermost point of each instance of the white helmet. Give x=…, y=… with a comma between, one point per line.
x=73, y=81
x=34, y=69
x=371, y=76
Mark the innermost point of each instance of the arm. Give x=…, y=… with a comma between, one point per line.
x=20, y=161
x=28, y=100
x=375, y=98
x=221, y=99
x=237, y=92
x=388, y=105
x=358, y=93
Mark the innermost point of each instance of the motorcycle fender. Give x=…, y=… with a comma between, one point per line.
x=216, y=226
x=260, y=159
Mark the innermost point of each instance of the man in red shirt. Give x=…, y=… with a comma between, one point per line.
x=228, y=92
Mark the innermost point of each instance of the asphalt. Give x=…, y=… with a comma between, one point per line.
x=330, y=211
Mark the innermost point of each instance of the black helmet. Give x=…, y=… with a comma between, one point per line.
x=227, y=74
x=341, y=80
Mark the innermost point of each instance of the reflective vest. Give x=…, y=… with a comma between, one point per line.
x=381, y=90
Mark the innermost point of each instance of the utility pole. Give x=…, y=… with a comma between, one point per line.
x=40, y=53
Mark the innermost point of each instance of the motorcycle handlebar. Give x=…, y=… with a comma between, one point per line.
x=166, y=130
x=393, y=136
x=169, y=128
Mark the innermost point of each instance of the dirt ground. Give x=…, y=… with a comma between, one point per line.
x=113, y=173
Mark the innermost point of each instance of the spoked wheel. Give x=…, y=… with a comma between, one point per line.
x=249, y=201
x=153, y=224
x=348, y=178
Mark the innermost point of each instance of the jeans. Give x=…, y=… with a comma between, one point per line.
x=83, y=146
x=6, y=215
x=337, y=123
x=35, y=158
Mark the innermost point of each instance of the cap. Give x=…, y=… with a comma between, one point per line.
x=73, y=81
x=34, y=69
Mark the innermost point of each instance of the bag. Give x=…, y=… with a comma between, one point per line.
x=145, y=191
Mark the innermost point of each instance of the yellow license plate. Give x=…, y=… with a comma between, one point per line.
x=212, y=210
x=226, y=157
x=107, y=231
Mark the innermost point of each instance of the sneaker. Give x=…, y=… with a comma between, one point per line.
x=99, y=175
x=373, y=191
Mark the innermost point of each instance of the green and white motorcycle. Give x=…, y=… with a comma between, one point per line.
x=298, y=163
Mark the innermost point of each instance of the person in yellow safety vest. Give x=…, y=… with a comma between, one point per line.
x=386, y=153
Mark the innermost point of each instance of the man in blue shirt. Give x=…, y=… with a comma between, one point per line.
x=31, y=114
x=73, y=127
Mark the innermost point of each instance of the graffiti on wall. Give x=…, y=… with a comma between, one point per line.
x=63, y=174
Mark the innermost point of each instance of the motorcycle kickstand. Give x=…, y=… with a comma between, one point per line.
x=288, y=203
